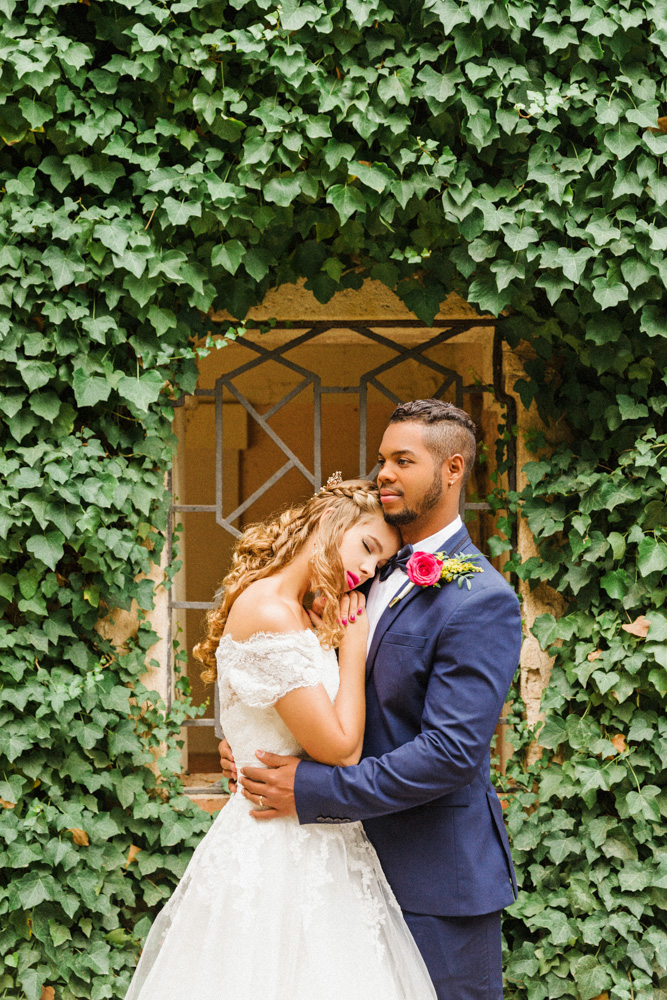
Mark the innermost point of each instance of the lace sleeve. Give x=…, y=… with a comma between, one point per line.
x=268, y=666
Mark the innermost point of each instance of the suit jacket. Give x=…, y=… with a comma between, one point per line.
x=438, y=670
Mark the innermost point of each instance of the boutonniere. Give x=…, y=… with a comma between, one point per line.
x=430, y=569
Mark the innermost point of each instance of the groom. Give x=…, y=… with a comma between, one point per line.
x=440, y=662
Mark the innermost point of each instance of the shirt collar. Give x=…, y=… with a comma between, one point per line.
x=436, y=542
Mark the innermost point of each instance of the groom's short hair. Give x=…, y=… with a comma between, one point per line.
x=448, y=430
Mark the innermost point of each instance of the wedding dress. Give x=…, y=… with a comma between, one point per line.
x=274, y=910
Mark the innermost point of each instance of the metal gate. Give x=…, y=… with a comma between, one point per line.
x=450, y=380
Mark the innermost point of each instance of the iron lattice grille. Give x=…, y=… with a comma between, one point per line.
x=372, y=378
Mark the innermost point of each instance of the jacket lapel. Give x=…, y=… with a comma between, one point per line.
x=389, y=614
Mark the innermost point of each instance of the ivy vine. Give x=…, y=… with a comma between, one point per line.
x=163, y=159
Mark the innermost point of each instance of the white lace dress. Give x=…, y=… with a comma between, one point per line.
x=275, y=910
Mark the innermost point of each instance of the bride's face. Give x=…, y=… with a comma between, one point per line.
x=366, y=546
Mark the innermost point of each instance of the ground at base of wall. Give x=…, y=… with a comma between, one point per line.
x=209, y=803
x=205, y=790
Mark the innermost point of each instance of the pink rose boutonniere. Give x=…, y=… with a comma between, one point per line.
x=423, y=568
x=429, y=569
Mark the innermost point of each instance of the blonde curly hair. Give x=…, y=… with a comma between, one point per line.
x=265, y=548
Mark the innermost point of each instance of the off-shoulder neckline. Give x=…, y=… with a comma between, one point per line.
x=269, y=635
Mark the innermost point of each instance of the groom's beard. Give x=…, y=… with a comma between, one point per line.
x=428, y=502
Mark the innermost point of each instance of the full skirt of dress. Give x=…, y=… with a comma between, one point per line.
x=277, y=911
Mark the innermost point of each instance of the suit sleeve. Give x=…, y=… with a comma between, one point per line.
x=477, y=652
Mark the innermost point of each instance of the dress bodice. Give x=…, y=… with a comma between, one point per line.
x=254, y=674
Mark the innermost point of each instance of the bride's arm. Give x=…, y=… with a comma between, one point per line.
x=334, y=733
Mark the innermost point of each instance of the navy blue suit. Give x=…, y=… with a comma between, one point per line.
x=438, y=670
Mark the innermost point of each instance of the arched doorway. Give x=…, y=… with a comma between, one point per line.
x=275, y=414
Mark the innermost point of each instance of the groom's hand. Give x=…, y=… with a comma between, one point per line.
x=270, y=787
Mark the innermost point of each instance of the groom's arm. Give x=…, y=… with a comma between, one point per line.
x=476, y=657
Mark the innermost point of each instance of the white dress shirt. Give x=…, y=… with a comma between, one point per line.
x=382, y=591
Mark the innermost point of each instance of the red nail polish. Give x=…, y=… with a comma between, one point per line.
x=344, y=621
x=351, y=618
x=360, y=611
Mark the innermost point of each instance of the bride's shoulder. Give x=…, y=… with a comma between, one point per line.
x=260, y=609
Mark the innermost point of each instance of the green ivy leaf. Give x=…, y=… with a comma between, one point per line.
x=229, y=255
x=651, y=556
x=175, y=828
x=634, y=877
x=609, y=291
x=653, y=321
x=179, y=213
x=591, y=978
x=438, y=88
x=207, y=106
x=114, y=235
x=630, y=409
x=31, y=981
x=31, y=889
x=282, y=190
x=64, y=266
x=485, y=292
x=616, y=583
x=21, y=425
x=334, y=152
x=346, y=200
x=655, y=515
x=257, y=263
x=35, y=374
x=622, y=140
x=47, y=547
x=553, y=733
x=520, y=237
x=619, y=845
x=636, y=272
x=12, y=745
x=557, y=36
x=294, y=15
x=376, y=176
x=318, y=127
x=141, y=392
x=574, y=263
x=89, y=389
x=45, y=404
x=59, y=933
x=395, y=88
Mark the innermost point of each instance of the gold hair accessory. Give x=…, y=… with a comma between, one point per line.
x=332, y=481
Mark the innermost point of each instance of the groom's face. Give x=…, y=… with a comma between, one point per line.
x=410, y=478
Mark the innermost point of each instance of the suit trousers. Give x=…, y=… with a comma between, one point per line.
x=462, y=954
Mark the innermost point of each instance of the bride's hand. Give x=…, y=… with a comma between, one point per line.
x=352, y=613
x=228, y=764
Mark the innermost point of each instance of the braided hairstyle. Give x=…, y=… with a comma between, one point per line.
x=265, y=548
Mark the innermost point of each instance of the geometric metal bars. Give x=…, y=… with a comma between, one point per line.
x=309, y=378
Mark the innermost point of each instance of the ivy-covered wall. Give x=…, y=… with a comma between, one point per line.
x=159, y=159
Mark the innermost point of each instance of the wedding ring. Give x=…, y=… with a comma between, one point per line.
x=261, y=801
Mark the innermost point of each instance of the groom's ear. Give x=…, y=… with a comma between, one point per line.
x=453, y=468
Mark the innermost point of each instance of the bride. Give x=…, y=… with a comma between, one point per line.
x=279, y=911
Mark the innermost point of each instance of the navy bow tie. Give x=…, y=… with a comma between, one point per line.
x=399, y=561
